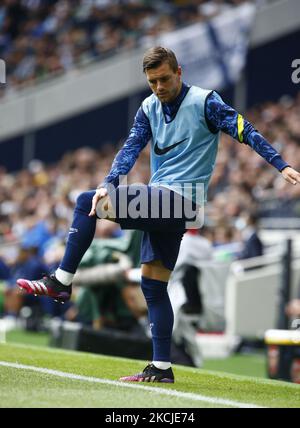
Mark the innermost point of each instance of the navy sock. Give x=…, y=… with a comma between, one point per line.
x=161, y=317
x=81, y=233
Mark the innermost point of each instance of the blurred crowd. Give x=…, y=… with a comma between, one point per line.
x=39, y=38
x=36, y=207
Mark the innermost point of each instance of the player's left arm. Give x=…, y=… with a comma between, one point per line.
x=222, y=117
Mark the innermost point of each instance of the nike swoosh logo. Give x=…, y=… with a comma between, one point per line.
x=160, y=152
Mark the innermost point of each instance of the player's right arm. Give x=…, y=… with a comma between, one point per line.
x=137, y=139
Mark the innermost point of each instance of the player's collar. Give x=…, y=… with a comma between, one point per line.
x=183, y=91
x=170, y=109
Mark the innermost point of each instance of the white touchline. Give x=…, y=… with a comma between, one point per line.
x=172, y=392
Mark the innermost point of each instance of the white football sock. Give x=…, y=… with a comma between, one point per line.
x=64, y=277
x=163, y=365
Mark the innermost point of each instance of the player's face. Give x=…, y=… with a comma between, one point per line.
x=164, y=82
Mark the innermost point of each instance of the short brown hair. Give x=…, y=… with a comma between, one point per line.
x=154, y=57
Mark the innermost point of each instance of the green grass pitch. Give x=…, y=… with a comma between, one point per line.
x=34, y=376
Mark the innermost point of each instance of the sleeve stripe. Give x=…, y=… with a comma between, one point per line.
x=240, y=128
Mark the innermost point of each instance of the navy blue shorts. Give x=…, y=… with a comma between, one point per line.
x=162, y=224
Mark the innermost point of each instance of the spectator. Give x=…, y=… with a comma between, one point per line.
x=4, y=275
x=293, y=308
x=253, y=246
x=4, y=270
x=28, y=262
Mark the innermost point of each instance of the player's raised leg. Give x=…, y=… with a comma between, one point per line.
x=59, y=284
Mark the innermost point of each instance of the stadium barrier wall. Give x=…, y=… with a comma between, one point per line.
x=252, y=295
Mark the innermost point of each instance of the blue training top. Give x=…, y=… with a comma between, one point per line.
x=185, y=135
x=184, y=150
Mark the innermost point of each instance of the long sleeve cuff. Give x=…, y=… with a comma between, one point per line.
x=279, y=163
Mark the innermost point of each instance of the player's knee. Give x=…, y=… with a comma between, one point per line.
x=84, y=201
x=156, y=270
